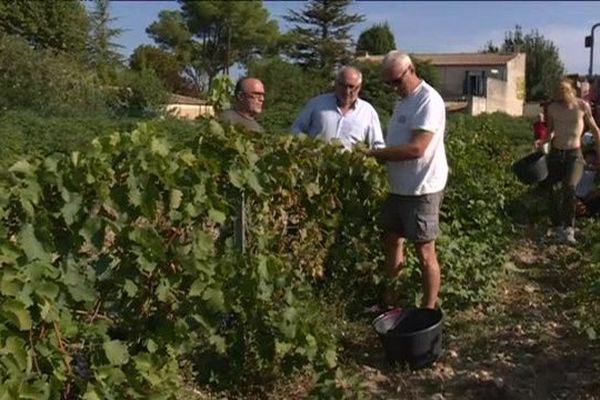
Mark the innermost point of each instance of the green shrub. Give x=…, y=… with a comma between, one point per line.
x=28, y=133
x=52, y=84
x=138, y=94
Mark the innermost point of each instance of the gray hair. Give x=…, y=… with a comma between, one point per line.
x=345, y=68
x=394, y=57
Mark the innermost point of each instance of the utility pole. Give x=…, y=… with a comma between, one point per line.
x=589, y=42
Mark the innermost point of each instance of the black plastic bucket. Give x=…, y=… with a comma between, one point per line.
x=412, y=335
x=532, y=168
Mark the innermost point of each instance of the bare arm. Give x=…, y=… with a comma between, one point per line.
x=415, y=148
x=591, y=123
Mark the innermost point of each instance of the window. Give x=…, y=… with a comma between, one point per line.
x=474, y=83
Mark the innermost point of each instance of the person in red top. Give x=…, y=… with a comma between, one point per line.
x=540, y=130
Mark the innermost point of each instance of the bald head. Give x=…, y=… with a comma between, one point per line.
x=250, y=96
x=246, y=84
x=396, y=58
x=397, y=69
x=347, y=86
x=349, y=73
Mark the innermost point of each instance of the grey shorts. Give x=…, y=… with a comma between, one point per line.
x=413, y=217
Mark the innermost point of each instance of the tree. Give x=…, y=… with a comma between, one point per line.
x=378, y=39
x=211, y=36
x=46, y=81
x=288, y=88
x=102, y=51
x=543, y=67
x=490, y=47
x=170, y=31
x=59, y=25
x=138, y=94
x=321, y=35
x=166, y=66
x=427, y=71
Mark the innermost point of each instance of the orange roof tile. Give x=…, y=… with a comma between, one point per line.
x=455, y=58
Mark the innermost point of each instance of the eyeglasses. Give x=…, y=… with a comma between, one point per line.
x=397, y=81
x=348, y=86
x=255, y=95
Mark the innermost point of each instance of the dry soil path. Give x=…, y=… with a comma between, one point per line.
x=522, y=347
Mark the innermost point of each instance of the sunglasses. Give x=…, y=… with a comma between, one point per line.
x=397, y=81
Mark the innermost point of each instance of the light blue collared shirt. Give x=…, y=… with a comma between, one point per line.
x=322, y=117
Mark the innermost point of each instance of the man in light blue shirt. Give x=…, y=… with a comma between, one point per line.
x=341, y=115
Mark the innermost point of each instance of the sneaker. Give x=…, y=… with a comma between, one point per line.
x=569, y=235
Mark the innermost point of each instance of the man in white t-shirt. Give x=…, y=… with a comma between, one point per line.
x=417, y=173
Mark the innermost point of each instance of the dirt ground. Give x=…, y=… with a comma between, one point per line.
x=523, y=347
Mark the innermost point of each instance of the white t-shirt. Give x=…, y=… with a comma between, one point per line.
x=423, y=109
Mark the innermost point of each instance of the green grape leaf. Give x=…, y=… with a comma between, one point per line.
x=216, y=216
x=214, y=297
x=175, y=199
x=116, y=352
x=17, y=313
x=33, y=249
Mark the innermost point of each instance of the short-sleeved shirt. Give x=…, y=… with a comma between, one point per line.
x=423, y=109
x=235, y=118
x=321, y=117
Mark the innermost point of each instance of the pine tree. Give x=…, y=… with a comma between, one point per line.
x=321, y=36
x=103, y=54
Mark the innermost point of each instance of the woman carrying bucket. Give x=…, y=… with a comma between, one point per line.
x=540, y=131
x=567, y=116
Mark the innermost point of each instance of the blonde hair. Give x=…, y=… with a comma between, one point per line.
x=564, y=91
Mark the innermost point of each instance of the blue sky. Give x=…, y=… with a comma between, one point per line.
x=427, y=26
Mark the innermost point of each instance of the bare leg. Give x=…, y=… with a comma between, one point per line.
x=430, y=271
x=394, y=260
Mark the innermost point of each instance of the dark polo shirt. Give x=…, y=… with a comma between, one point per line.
x=235, y=118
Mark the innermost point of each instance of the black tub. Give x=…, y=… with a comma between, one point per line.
x=411, y=335
x=532, y=168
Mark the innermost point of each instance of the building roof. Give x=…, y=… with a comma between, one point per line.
x=449, y=59
x=179, y=99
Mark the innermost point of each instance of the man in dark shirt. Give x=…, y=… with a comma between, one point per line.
x=249, y=98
